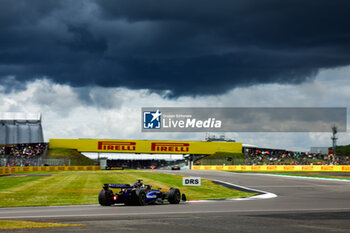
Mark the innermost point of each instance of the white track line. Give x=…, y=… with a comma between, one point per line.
x=179, y=212
x=265, y=195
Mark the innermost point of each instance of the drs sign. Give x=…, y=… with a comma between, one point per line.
x=191, y=181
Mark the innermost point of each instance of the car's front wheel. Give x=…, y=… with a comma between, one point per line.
x=174, y=196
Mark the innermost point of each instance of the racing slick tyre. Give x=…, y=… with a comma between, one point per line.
x=174, y=196
x=105, y=198
x=138, y=198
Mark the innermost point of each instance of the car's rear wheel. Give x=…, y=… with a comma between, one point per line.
x=174, y=196
x=105, y=198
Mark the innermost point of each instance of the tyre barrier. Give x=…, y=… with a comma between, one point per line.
x=276, y=168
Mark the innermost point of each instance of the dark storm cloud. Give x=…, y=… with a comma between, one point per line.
x=188, y=47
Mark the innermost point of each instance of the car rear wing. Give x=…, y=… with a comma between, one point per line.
x=116, y=186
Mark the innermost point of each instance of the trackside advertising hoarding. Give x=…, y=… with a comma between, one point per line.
x=10, y=170
x=273, y=168
x=4, y=171
x=146, y=146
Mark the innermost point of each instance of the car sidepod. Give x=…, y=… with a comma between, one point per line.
x=155, y=197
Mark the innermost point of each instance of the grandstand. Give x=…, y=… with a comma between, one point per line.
x=20, y=128
x=21, y=139
x=22, y=144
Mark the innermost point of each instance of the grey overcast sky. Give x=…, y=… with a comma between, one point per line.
x=89, y=66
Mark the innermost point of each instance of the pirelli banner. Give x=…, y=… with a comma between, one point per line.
x=277, y=168
x=146, y=146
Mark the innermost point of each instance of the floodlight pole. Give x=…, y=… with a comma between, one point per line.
x=334, y=139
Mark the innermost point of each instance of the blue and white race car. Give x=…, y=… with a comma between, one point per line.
x=138, y=194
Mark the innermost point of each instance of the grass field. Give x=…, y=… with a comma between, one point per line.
x=14, y=224
x=75, y=188
x=75, y=157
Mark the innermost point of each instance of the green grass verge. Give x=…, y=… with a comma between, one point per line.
x=220, y=158
x=76, y=188
x=12, y=224
x=75, y=157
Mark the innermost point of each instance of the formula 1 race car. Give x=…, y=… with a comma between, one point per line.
x=137, y=194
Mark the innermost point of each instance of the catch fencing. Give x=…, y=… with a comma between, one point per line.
x=27, y=162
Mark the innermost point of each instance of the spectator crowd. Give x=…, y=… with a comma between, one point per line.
x=22, y=154
x=273, y=157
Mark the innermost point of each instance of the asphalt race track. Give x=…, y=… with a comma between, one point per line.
x=301, y=205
